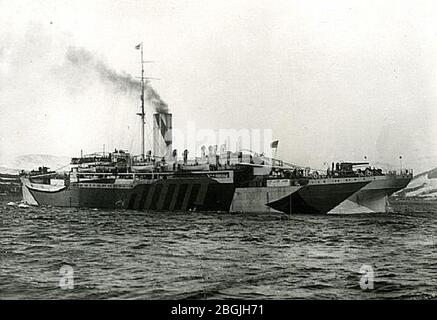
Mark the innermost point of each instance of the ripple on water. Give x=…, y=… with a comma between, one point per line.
x=141, y=255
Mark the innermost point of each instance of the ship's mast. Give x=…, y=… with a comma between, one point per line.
x=142, y=114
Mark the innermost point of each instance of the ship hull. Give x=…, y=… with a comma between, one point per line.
x=373, y=197
x=257, y=199
x=196, y=194
x=316, y=198
x=185, y=194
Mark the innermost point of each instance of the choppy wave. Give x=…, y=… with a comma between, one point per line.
x=145, y=255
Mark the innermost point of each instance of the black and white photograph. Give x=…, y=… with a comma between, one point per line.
x=219, y=150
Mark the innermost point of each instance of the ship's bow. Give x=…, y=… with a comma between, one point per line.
x=374, y=196
x=319, y=197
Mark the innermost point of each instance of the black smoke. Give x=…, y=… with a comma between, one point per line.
x=122, y=82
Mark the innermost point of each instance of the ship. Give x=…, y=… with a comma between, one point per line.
x=9, y=184
x=240, y=181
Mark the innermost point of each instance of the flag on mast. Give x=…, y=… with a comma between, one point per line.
x=138, y=46
x=274, y=144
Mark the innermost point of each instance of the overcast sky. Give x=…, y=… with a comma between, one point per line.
x=334, y=80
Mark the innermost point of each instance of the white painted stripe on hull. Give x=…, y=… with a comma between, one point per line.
x=255, y=199
x=27, y=196
x=370, y=206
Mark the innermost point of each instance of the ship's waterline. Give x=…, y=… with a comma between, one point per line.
x=203, y=193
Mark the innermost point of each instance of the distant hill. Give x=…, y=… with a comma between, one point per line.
x=33, y=161
x=423, y=185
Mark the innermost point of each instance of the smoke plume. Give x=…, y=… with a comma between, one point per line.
x=58, y=98
x=81, y=58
